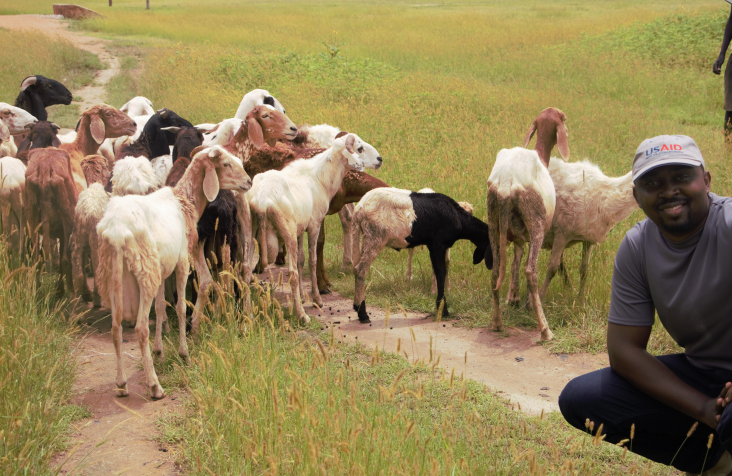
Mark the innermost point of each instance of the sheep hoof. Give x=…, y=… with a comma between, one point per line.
x=305, y=319
x=280, y=260
x=122, y=391
x=158, y=353
x=156, y=392
x=515, y=303
x=547, y=334
x=498, y=328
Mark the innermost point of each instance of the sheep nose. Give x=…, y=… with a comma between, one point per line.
x=379, y=159
x=293, y=129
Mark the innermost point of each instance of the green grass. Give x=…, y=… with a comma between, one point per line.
x=264, y=399
x=37, y=369
x=28, y=53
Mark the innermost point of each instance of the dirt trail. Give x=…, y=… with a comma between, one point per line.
x=514, y=365
x=117, y=438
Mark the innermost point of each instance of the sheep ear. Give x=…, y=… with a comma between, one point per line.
x=210, y=183
x=97, y=128
x=530, y=134
x=562, y=143
x=29, y=81
x=350, y=140
x=4, y=132
x=197, y=150
x=478, y=256
x=163, y=113
x=255, y=132
x=170, y=129
x=488, y=257
x=125, y=107
x=341, y=134
x=55, y=127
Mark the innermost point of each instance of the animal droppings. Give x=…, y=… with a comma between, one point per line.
x=336, y=322
x=330, y=308
x=443, y=325
x=391, y=328
x=519, y=359
x=344, y=336
x=544, y=388
x=369, y=325
x=544, y=395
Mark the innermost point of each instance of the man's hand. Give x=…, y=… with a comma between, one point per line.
x=715, y=406
x=717, y=66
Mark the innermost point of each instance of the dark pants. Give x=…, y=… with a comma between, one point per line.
x=605, y=397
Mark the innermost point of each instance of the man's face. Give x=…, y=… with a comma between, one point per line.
x=674, y=197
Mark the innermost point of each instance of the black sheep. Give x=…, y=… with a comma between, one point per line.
x=38, y=92
x=186, y=139
x=155, y=137
x=402, y=219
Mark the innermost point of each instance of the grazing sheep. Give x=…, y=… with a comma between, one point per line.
x=96, y=123
x=589, y=205
x=468, y=208
x=89, y=210
x=521, y=202
x=134, y=176
x=12, y=191
x=257, y=97
x=38, y=92
x=296, y=199
x=404, y=219
x=143, y=239
x=50, y=199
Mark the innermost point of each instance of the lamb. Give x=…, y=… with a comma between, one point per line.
x=12, y=191
x=589, y=204
x=404, y=219
x=296, y=199
x=50, y=199
x=38, y=92
x=89, y=211
x=468, y=208
x=96, y=123
x=143, y=239
x=134, y=176
x=521, y=202
x=257, y=97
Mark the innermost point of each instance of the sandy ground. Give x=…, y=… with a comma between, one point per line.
x=512, y=363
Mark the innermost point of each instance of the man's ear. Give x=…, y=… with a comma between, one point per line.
x=635, y=195
x=708, y=180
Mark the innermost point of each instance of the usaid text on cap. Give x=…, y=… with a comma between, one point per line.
x=663, y=148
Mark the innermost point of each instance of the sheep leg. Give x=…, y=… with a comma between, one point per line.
x=498, y=264
x=159, y=318
x=514, y=291
x=346, y=217
x=142, y=330
x=369, y=252
x=323, y=281
x=301, y=261
x=563, y=271
x=204, y=283
x=244, y=219
x=94, y=245
x=410, y=256
x=288, y=231
x=313, y=238
x=433, y=290
x=438, y=256
x=121, y=379
x=181, y=279
x=554, y=262
x=77, y=268
x=586, y=252
x=536, y=232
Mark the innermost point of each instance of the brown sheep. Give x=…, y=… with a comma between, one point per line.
x=96, y=124
x=51, y=197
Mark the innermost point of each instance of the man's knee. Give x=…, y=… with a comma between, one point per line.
x=577, y=399
x=724, y=428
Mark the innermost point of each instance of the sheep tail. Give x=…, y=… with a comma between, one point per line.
x=504, y=214
x=262, y=238
x=116, y=292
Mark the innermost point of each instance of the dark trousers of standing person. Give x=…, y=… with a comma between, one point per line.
x=604, y=397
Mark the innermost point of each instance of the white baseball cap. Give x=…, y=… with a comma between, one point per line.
x=666, y=150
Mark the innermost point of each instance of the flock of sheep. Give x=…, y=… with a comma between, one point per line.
x=141, y=196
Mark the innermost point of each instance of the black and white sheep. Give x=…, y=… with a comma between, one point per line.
x=404, y=219
x=155, y=138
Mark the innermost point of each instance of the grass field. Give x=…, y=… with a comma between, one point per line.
x=439, y=90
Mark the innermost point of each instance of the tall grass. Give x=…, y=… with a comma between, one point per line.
x=26, y=53
x=37, y=370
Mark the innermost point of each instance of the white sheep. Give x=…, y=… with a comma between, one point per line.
x=296, y=199
x=13, y=120
x=254, y=98
x=134, y=176
x=521, y=202
x=12, y=190
x=140, y=110
x=589, y=205
x=144, y=239
x=138, y=106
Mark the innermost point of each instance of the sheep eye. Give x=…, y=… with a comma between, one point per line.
x=227, y=165
x=264, y=116
x=360, y=150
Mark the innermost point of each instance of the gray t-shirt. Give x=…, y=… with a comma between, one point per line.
x=689, y=283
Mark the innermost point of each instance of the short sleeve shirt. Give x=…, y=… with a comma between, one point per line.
x=688, y=283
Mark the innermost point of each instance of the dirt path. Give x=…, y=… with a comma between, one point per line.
x=117, y=439
x=92, y=94
x=514, y=365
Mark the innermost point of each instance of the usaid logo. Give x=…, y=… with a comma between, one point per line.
x=663, y=148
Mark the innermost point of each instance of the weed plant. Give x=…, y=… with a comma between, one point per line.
x=37, y=370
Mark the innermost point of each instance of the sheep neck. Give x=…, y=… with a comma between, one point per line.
x=544, y=145
x=240, y=145
x=329, y=170
x=190, y=187
x=84, y=141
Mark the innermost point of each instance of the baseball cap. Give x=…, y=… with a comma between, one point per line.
x=666, y=150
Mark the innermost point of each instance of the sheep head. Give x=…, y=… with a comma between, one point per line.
x=42, y=134
x=551, y=130
x=138, y=106
x=38, y=92
x=366, y=152
x=106, y=122
x=15, y=118
x=96, y=169
x=346, y=146
x=4, y=132
x=257, y=97
x=222, y=171
x=265, y=124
